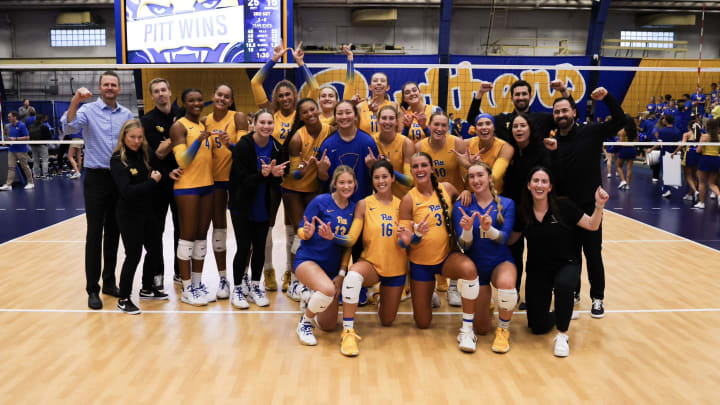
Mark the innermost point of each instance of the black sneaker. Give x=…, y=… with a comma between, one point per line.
x=523, y=306
x=126, y=305
x=152, y=294
x=597, y=311
x=177, y=279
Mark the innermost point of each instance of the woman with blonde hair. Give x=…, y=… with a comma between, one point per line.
x=135, y=180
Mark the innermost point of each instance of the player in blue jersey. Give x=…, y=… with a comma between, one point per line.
x=317, y=263
x=483, y=229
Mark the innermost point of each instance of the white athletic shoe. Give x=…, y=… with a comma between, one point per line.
x=575, y=315
x=238, y=299
x=467, y=341
x=257, y=295
x=208, y=296
x=75, y=176
x=700, y=205
x=5, y=187
x=29, y=186
x=193, y=296
x=688, y=197
x=296, y=292
x=305, y=333
x=622, y=184
x=562, y=349
x=453, y=296
x=667, y=194
x=712, y=196
x=223, y=291
x=435, y=303
x=245, y=283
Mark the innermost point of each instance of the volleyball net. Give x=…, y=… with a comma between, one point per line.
x=632, y=81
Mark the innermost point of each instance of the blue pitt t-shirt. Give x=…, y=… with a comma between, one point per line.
x=18, y=130
x=259, y=211
x=352, y=154
x=483, y=250
x=318, y=248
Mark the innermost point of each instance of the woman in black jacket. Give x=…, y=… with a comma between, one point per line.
x=130, y=169
x=254, y=185
x=529, y=152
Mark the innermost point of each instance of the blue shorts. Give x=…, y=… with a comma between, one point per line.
x=331, y=269
x=201, y=191
x=397, y=281
x=691, y=158
x=225, y=185
x=423, y=272
x=485, y=270
x=627, y=152
x=709, y=164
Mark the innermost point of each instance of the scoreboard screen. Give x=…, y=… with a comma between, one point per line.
x=201, y=31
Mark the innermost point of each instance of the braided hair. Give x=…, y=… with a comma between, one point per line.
x=443, y=204
x=496, y=197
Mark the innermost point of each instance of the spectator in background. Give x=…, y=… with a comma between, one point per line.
x=24, y=110
x=40, y=132
x=699, y=99
x=17, y=153
x=666, y=133
x=713, y=93
x=30, y=119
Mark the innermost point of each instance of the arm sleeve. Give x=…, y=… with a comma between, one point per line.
x=345, y=261
x=507, y=226
x=474, y=110
x=499, y=168
x=311, y=82
x=405, y=178
x=349, y=91
x=256, y=84
x=352, y=235
x=185, y=155
x=121, y=177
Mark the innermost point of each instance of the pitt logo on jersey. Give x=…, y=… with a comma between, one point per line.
x=386, y=217
x=341, y=220
x=434, y=208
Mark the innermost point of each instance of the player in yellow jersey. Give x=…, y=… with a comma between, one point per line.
x=709, y=164
x=301, y=184
x=283, y=104
x=485, y=147
x=444, y=148
x=382, y=259
x=395, y=148
x=368, y=107
x=427, y=229
x=415, y=113
x=225, y=127
x=193, y=194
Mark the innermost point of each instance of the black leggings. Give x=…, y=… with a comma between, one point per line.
x=137, y=231
x=247, y=234
x=539, y=286
x=517, y=251
x=592, y=248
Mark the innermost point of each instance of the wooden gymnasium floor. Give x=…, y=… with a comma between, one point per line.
x=657, y=344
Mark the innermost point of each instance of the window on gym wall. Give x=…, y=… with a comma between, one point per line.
x=77, y=36
x=645, y=39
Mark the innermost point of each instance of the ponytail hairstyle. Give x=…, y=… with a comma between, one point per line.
x=382, y=163
x=232, y=94
x=439, y=113
x=496, y=197
x=340, y=170
x=296, y=125
x=443, y=204
x=390, y=108
x=403, y=103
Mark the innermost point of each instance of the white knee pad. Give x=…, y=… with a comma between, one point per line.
x=319, y=302
x=219, y=239
x=469, y=289
x=199, y=249
x=184, y=249
x=295, y=244
x=351, y=287
x=507, y=299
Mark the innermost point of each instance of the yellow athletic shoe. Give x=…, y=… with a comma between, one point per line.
x=286, y=280
x=270, y=282
x=373, y=294
x=441, y=283
x=349, y=345
x=502, y=341
x=406, y=295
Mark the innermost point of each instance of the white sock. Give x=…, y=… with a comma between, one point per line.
x=452, y=283
x=467, y=322
x=186, y=285
x=158, y=279
x=268, y=249
x=305, y=319
x=348, y=323
x=223, y=274
x=503, y=323
x=196, y=279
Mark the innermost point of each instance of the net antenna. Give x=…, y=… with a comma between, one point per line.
x=702, y=29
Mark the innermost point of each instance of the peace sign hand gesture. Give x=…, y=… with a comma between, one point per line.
x=467, y=221
x=309, y=227
x=324, y=230
x=485, y=221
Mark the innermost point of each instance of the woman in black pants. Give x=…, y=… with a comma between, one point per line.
x=130, y=169
x=255, y=177
x=529, y=152
x=550, y=226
